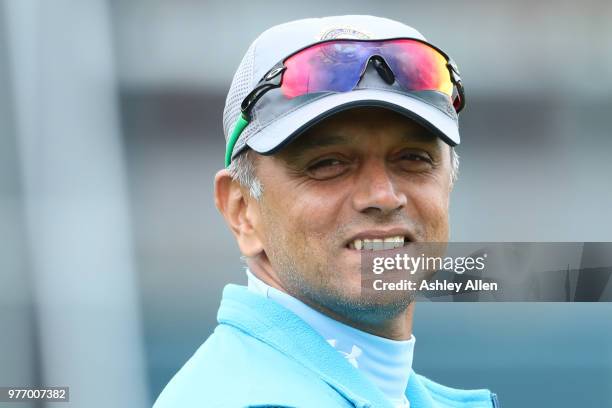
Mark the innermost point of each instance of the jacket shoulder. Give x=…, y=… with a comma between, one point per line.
x=233, y=369
x=448, y=397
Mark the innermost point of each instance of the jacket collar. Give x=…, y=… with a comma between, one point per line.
x=271, y=323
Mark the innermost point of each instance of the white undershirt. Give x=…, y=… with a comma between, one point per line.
x=387, y=363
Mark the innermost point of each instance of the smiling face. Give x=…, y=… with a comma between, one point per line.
x=361, y=176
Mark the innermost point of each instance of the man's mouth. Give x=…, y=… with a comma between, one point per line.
x=379, y=243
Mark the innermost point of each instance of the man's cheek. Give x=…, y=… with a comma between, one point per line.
x=434, y=217
x=311, y=223
x=439, y=225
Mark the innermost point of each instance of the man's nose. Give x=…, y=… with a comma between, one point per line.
x=376, y=190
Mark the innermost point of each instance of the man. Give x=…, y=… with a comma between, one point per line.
x=340, y=135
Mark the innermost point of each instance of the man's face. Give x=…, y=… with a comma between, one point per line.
x=362, y=174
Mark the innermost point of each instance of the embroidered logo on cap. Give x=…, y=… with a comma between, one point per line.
x=343, y=32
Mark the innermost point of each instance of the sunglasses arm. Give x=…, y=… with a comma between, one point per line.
x=271, y=80
x=456, y=80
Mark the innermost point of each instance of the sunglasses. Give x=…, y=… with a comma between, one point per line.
x=338, y=66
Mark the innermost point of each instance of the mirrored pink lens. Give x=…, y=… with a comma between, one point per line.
x=336, y=66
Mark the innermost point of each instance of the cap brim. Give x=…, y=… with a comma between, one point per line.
x=280, y=132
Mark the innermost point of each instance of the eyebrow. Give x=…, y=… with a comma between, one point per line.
x=304, y=144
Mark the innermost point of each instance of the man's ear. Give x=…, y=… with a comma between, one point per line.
x=241, y=212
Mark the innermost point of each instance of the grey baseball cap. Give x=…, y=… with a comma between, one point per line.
x=275, y=120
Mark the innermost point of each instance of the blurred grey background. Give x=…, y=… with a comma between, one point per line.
x=113, y=257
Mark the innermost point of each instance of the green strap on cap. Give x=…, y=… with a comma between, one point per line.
x=231, y=142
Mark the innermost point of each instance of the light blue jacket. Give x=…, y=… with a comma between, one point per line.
x=263, y=355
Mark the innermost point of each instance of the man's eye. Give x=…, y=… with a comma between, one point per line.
x=327, y=168
x=417, y=157
x=415, y=162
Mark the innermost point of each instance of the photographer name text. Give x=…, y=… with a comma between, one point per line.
x=441, y=286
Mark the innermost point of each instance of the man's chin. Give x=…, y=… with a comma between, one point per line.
x=352, y=303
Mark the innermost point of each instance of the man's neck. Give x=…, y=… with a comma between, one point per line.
x=396, y=327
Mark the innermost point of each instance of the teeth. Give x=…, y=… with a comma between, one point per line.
x=389, y=243
x=376, y=244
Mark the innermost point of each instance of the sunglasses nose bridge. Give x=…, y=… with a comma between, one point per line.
x=382, y=67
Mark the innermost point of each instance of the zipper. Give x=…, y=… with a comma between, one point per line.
x=495, y=401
